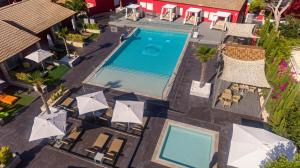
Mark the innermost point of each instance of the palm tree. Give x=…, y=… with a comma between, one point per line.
x=76, y=5
x=205, y=53
x=62, y=33
x=37, y=81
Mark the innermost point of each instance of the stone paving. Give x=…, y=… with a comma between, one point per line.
x=180, y=107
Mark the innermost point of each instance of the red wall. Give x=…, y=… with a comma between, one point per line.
x=236, y=16
x=100, y=6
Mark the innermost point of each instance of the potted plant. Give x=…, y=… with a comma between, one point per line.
x=8, y=159
x=92, y=28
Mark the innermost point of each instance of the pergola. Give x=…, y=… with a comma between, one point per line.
x=168, y=12
x=242, y=65
x=192, y=16
x=133, y=12
x=240, y=31
x=217, y=23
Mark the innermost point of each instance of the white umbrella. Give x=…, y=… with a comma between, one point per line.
x=48, y=125
x=1, y=81
x=252, y=147
x=39, y=56
x=50, y=41
x=128, y=111
x=91, y=102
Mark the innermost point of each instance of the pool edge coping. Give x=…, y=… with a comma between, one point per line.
x=170, y=80
x=155, y=157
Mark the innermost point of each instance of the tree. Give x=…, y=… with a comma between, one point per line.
x=283, y=162
x=62, y=33
x=76, y=5
x=256, y=6
x=278, y=7
x=291, y=28
x=37, y=81
x=205, y=53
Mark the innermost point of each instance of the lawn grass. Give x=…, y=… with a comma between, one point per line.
x=56, y=74
x=23, y=100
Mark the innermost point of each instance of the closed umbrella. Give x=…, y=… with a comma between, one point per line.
x=128, y=112
x=39, y=56
x=48, y=125
x=50, y=41
x=252, y=147
x=91, y=102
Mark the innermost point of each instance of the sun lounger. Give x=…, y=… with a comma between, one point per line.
x=113, y=150
x=107, y=115
x=227, y=104
x=99, y=144
x=67, y=102
x=72, y=136
x=236, y=98
x=8, y=99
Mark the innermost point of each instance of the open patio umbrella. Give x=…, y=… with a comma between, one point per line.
x=39, y=56
x=252, y=147
x=91, y=102
x=128, y=111
x=48, y=125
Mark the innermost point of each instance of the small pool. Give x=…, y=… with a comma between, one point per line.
x=183, y=145
x=143, y=64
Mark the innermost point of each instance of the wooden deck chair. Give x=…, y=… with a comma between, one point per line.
x=99, y=144
x=113, y=151
x=72, y=136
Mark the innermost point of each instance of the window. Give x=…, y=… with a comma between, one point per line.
x=206, y=14
x=149, y=6
x=180, y=11
x=143, y=4
x=211, y=16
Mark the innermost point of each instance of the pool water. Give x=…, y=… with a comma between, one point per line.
x=144, y=63
x=186, y=147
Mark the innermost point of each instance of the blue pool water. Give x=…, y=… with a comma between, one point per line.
x=186, y=147
x=144, y=63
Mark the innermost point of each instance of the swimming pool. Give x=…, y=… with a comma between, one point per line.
x=143, y=64
x=184, y=145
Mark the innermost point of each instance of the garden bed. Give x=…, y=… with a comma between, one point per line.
x=10, y=111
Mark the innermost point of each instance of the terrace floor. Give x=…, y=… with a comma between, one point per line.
x=137, y=151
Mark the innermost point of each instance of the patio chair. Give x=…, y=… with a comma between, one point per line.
x=107, y=115
x=113, y=151
x=235, y=87
x=72, y=136
x=227, y=104
x=99, y=144
x=236, y=98
x=228, y=91
x=252, y=89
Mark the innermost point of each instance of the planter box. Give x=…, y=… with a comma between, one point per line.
x=14, y=162
x=58, y=100
x=93, y=31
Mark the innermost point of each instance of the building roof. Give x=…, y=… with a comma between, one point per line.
x=221, y=4
x=244, y=52
x=244, y=64
x=13, y=40
x=240, y=30
x=34, y=15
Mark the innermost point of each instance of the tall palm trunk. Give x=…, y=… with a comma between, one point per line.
x=66, y=46
x=40, y=92
x=203, y=72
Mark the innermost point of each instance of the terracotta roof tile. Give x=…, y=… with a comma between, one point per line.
x=34, y=15
x=13, y=40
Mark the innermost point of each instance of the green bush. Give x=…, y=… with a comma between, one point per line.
x=5, y=155
x=94, y=26
x=256, y=6
x=75, y=37
x=283, y=162
x=58, y=93
x=291, y=29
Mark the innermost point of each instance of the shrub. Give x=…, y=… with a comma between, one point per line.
x=58, y=93
x=283, y=162
x=94, y=26
x=291, y=28
x=5, y=155
x=75, y=37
